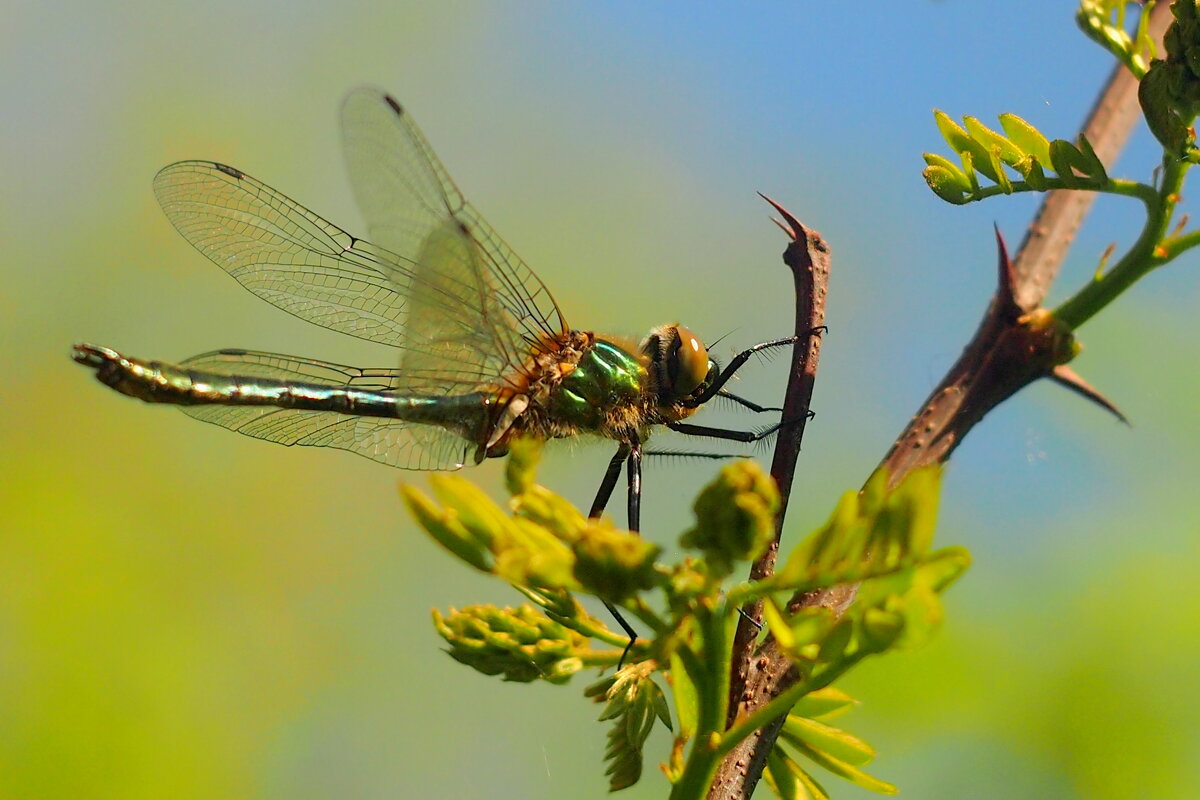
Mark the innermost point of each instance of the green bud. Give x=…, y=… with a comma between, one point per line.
x=519, y=643
x=444, y=527
x=478, y=531
x=530, y=556
x=551, y=511
x=521, y=468
x=735, y=517
x=962, y=142
x=947, y=184
x=614, y=564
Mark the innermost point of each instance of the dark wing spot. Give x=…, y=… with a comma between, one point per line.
x=233, y=351
x=463, y=229
x=391, y=101
x=230, y=171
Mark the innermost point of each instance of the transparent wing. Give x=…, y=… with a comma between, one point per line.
x=412, y=207
x=283, y=252
x=388, y=441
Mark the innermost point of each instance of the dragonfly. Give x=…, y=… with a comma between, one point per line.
x=485, y=354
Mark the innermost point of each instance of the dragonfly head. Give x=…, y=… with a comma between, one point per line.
x=679, y=363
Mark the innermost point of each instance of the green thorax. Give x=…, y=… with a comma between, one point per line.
x=608, y=377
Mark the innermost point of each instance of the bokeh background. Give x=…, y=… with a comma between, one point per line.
x=187, y=613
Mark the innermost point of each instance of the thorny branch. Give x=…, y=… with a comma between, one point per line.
x=1012, y=347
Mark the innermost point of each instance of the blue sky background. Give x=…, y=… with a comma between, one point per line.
x=189, y=613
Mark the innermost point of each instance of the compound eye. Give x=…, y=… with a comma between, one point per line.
x=688, y=365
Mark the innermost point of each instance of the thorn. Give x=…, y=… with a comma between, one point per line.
x=1104, y=257
x=794, y=228
x=1069, y=378
x=1183, y=221
x=1006, y=292
x=783, y=228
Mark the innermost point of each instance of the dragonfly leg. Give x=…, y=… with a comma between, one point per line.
x=691, y=454
x=744, y=403
x=602, y=497
x=633, y=474
x=732, y=435
x=610, y=480
x=741, y=358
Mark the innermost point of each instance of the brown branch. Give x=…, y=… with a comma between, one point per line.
x=1053, y=229
x=808, y=257
x=1015, y=344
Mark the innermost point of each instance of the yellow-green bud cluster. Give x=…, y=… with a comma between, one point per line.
x=735, y=517
x=519, y=643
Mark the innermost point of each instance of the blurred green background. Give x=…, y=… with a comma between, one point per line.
x=187, y=613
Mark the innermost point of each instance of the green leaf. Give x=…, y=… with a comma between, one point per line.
x=1156, y=98
x=844, y=770
x=686, y=700
x=1065, y=158
x=881, y=629
x=968, y=164
x=922, y=491
x=810, y=625
x=944, y=567
x=1026, y=137
x=827, y=702
x=1091, y=165
x=1031, y=171
x=783, y=781
x=787, y=771
x=833, y=646
x=658, y=701
x=998, y=169
x=1008, y=152
x=832, y=741
x=776, y=622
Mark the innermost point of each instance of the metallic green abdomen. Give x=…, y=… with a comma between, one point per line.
x=606, y=377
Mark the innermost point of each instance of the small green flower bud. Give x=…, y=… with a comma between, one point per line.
x=519, y=643
x=443, y=525
x=947, y=184
x=521, y=468
x=735, y=517
x=614, y=564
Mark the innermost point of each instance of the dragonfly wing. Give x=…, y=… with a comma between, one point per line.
x=282, y=252
x=389, y=441
x=472, y=300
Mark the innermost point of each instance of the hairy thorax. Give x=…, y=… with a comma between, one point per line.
x=582, y=383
